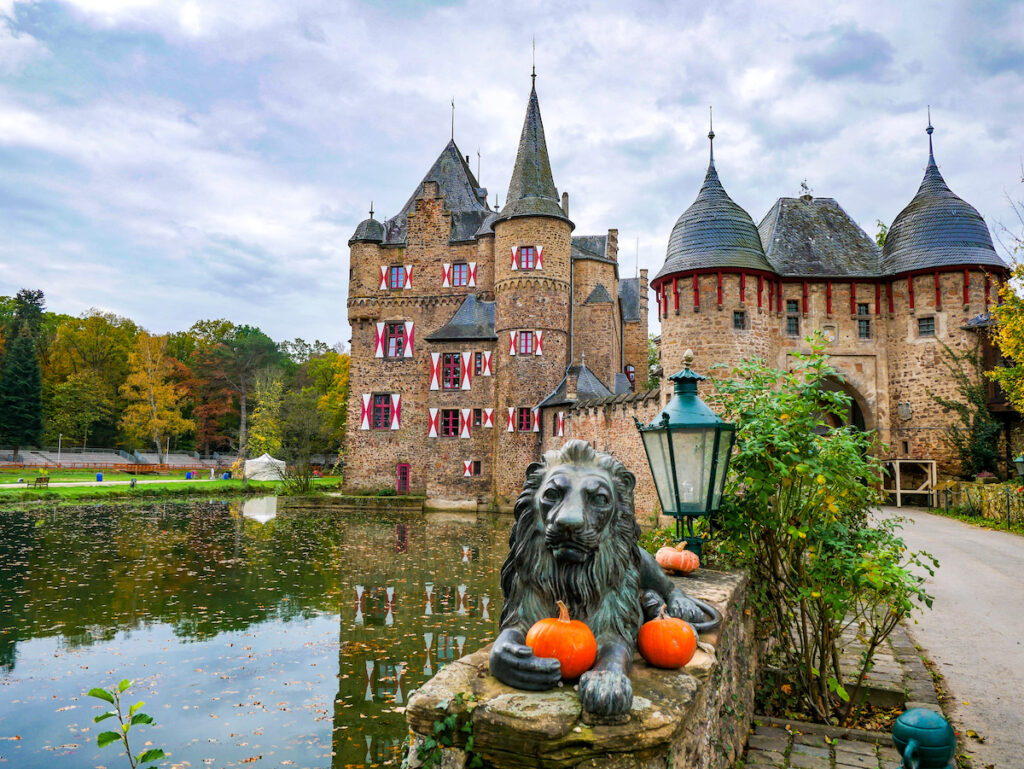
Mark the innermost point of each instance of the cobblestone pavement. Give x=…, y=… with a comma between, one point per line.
x=771, y=746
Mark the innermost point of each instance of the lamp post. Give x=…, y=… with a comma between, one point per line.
x=60, y=440
x=688, y=448
x=1019, y=464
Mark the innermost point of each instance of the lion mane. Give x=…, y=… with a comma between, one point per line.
x=603, y=591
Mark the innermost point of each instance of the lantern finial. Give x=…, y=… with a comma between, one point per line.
x=688, y=358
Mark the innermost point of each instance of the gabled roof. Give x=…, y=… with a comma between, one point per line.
x=531, y=192
x=473, y=320
x=463, y=197
x=599, y=295
x=937, y=229
x=815, y=237
x=588, y=387
x=629, y=299
x=713, y=232
x=593, y=247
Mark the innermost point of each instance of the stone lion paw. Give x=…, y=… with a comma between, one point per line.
x=606, y=693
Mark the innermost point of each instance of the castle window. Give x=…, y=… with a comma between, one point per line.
x=476, y=467
x=739, y=320
x=449, y=423
x=394, y=340
x=524, y=419
x=926, y=326
x=451, y=371
x=396, y=276
x=402, y=479
x=478, y=363
x=478, y=417
x=525, y=343
x=793, y=317
x=460, y=274
x=381, y=412
x=527, y=257
x=863, y=323
x=630, y=373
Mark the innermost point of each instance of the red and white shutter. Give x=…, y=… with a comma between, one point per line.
x=538, y=342
x=511, y=419
x=378, y=344
x=467, y=371
x=408, y=276
x=432, y=420
x=561, y=424
x=536, y=420
x=472, y=273
x=409, y=334
x=515, y=258
x=364, y=419
x=511, y=342
x=488, y=420
x=446, y=276
x=467, y=468
x=540, y=257
x=435, y=371
x=383, y=276
x=466, y=419
x=487, y=364
x=396, y=411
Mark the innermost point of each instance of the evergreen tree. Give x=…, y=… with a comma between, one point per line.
x=21, y=411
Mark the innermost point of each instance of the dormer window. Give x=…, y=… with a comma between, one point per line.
x=527, y=257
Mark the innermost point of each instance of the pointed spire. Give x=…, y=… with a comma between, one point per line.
x=533, y=73
x=531, y=191
x=711, y=136
x=929, y=130
x=371, y=209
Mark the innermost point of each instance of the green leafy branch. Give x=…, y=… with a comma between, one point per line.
x=446, y=729
x=134, y=717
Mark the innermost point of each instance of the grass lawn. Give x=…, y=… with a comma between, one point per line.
x=11, y=475
x=151, y=490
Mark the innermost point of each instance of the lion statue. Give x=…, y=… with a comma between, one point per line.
x=575, y=540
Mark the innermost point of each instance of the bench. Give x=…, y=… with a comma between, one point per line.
x=42, y=482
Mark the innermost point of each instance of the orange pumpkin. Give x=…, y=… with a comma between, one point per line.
x=571, y=642
x=677, y=559
x=667, y=642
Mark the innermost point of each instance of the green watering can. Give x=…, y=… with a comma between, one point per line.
x=924, y=739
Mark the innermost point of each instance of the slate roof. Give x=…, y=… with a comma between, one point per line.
x=473, y=320
x=817, y=238
x=593, y=247
x=982, y=320
x=599, y=295
x=368, y=231
x=588, y=387
x=937, y=229
x=463, y=197
x=622, y=384
x=629, y=299
x=487, y=227
x=531, y=192
x=713, y=232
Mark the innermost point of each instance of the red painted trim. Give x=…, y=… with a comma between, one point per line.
x=878, y=299
x=655, y=284
x=743, y=287
x=828, y=298
x=967, y=286
x=805, y=298
x=719, y=288
x=988, y=290
x=778, y=296
x=696, y=292
x=938, y=292
x=760, y=290
x=888, y=293
x=853, y=299
x=910, y=290
x=675, y=294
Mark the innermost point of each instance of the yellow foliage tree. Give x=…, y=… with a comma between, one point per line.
x=153, y=411
x=1009, y=315
x=265, y=424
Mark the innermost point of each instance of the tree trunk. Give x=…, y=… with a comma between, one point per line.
x=159, y=448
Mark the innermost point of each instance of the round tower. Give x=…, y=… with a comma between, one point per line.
x=532, y=255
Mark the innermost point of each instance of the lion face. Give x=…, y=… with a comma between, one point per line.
x=575, y=504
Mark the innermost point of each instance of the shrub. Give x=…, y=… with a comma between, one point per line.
x=796, y=515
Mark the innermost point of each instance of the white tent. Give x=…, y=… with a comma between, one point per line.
x=264, y=468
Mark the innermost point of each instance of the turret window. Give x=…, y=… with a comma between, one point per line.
x=630, y=373
x=739, y=320
x=525, y=344
x=863, y=321
x=460, y=274
x=449, y=423
x=524, y=419
x=527, y=257
x=451, y=371
x=792, y=317
x=926, y=326
x=394, y=340
x=382, y=412
x=396, y=276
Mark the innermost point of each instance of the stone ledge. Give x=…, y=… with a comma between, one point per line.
x=697, y=716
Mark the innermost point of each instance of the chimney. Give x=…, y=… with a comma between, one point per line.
x=570, y=385
x=643, y=299
x=565, y=203
x=612, y=249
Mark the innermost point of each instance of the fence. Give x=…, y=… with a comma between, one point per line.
x=995, y=501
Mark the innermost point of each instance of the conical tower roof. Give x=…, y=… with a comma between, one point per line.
x=937, y=229
x=532, y=190
x=713, y=232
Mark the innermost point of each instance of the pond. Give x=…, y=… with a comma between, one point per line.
x=257, y=637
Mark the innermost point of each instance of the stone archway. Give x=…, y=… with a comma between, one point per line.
x=858, y=415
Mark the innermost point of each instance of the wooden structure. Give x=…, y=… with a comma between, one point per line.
x=903, y=471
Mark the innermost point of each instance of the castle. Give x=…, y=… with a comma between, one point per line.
x=482, y=337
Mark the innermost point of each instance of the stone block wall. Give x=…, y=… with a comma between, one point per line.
x=634, y=337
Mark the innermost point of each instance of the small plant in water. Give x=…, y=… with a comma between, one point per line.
x=134, y=717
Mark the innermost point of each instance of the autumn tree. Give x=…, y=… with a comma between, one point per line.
x=153, y=410
x=265, y=432
x=74, y=406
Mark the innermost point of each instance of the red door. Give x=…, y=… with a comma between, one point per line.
x=402, y=479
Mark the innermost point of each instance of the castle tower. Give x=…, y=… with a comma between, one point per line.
x=532, y=255
x=713, y=291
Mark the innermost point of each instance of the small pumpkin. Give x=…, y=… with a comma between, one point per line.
x=569, y=641
x=667, y=642
x=677, y=559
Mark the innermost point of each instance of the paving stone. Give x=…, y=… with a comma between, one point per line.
x=809, y=750
x=768, y=742
x=771, y=731
x=856, y=761
x=888, y=756
x=815, y=740
x=800, y=761
x=855, y=746
x=764, y=758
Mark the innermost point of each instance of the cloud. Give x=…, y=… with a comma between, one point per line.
x=848, y=51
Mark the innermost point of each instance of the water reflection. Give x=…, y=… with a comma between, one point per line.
x=260, y=509
x=241, y=634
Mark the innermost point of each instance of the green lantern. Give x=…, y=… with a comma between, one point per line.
x=1019, y=464
x=688, y=448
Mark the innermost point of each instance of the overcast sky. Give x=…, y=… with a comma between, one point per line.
x=172, y=160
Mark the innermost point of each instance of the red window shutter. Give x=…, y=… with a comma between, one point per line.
x=432, y=422
x=383, y=276
x=515, y=258
x=487, y=363
x=435, y=371
x=511, y=419
x=378, y=342
x=511, y=342
x=472, y=273
x=446, y=276
x=467, y=371
x=540, y=257
x=536, y=420
x=364, y=419
x=488, y=418
x=409, y=329
x=396, y=411
x=467, y=468
x=466, y=426
x=538, y=338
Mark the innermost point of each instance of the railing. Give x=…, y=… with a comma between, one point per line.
x=124, y=467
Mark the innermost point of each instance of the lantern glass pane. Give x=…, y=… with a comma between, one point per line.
x=722, y=468
x=694, y=451
x=656, y=443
